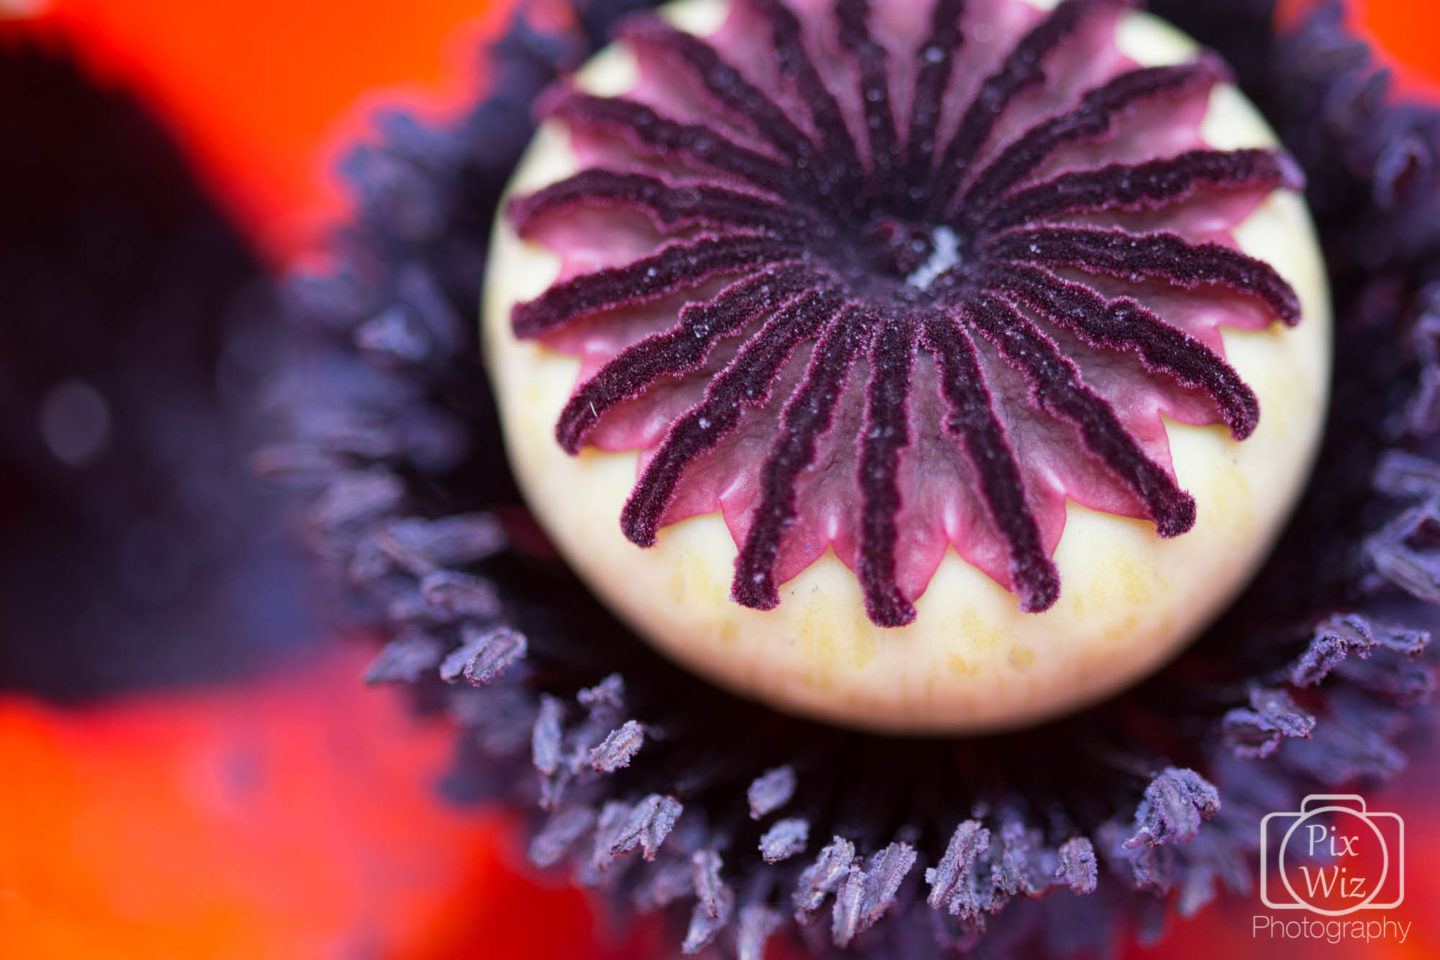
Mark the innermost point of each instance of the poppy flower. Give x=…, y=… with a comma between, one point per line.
x=669, y=794
x=653, y=780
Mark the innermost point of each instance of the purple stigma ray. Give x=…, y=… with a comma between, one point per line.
x=671, y=208
x=936, y=57
x=1092, y=120
x=887, y=431
x=1162, y=254
x=1058, y=387
x=661, y=137
x=807, y=416
x=675, y=267
x=1126, y=325
x=874, y=88
x=795, y=63
x=1022, y=69
x=724, y=84
x=1142, y=186
x=745, y=383
x=827, y=255
x=973, y=420
x=679, y=350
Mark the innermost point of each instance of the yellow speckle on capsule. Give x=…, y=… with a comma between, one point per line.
x=1021, y=658
x=961, y=667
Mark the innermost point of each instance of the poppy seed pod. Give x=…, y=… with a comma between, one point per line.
x=860, y=385
x=742, y=822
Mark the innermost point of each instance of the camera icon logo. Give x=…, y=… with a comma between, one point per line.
x=1332, y=857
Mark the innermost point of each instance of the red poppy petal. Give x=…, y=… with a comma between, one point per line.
x=295, y=817
x=263, y=93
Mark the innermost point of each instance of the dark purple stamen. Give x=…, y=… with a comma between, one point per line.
x=879, y=252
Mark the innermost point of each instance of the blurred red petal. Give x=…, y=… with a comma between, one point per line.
x=1404, y=32
x=1224, y=928
x=295, y=817
x=262, y=93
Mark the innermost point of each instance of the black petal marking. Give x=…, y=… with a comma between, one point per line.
x=879, y=248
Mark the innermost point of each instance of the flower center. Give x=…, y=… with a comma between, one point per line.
x=980, y=276
x=917, y=255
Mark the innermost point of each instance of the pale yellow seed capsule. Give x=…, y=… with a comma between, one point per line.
x=971, y=661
